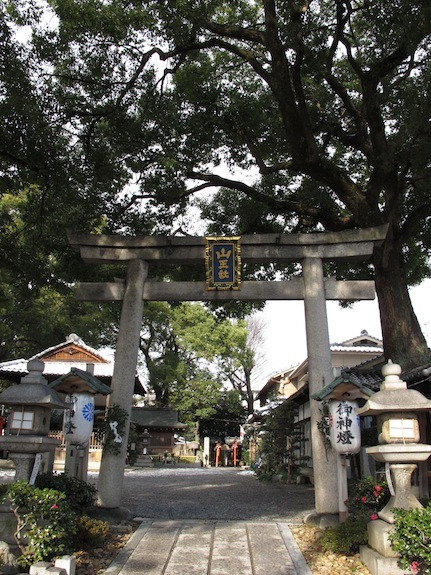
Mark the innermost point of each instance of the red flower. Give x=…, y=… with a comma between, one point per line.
x=364, y=499
x=415, y=566
x=377, y=488
x=374, y=516
x=54, y=506
x=376, y=493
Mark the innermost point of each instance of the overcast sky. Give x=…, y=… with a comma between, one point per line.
x=285, y=327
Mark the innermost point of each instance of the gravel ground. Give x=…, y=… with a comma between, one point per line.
x=174, y=492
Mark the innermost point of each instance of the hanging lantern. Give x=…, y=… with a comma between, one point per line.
x=78, y=421
x=344, y=427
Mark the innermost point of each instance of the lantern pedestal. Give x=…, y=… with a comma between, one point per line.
x=404, y=497
x=23, y=449
x=76, y=461
x=378, y=555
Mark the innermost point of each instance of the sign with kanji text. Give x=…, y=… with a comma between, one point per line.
x=223, y=263
x=344, y=427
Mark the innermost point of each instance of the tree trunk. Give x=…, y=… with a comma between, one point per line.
x=403, y=340
x=249, y=392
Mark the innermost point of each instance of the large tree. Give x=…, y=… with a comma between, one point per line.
x=319, y=109
x=191, y=356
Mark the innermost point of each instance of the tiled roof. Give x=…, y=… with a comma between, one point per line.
x=376, y=349
x=56, y=367
x=71, y=339
x=103, y=370
x=417, y=374
x=366, y=382
x=80, y=377
x=156, y=417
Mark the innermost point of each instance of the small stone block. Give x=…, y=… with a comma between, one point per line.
x=68, y=563
x=379, y=565
x=56, y=570
x=39, y=568
x=378, y=537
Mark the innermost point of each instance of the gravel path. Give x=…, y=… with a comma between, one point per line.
x=174, y=492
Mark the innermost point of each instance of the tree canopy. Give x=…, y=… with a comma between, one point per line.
x=302, y=115
x=192, y=356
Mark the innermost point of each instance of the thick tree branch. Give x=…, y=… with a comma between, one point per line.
x=288, y=206
x=237, y=32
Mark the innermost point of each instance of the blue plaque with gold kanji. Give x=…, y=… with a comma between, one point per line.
x=223, y=263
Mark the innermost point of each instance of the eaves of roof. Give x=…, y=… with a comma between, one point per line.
x=70, y=341
x=92, y=382
x=366, y=383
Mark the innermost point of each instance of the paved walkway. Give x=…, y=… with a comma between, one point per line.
x=211, y=522
x=198, y=521
x=197, y=547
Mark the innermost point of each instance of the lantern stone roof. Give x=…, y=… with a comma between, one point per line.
x=394, y=395
x=156, y=417
x=79, y=381
x=33, y=390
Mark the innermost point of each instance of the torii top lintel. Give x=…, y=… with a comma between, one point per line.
x=267, y=248
x=255, y=248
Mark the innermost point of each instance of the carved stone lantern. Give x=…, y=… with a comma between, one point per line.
x=30, y=404
x=145, y=459
x=396, y=409
x=146, y=440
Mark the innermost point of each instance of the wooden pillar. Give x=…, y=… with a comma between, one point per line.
x=123, y=380
x=320, y=373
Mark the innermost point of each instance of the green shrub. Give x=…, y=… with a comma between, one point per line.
x=411, y=538
x=368, y=496
x=46, y=524
x=80, y=494
x=348, y=536
x=90, y=533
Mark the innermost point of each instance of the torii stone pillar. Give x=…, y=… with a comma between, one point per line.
x=320, y=373
x=111, y=473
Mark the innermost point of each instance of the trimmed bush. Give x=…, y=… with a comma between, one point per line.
x=348, y=536
x=90, y=532
x=80, y=495
x=411, y=538
x=46, y=524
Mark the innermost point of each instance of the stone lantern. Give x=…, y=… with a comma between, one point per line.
x=26, y=438
x=145, y=459
x=396, y=409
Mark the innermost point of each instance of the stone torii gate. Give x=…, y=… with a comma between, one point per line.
x=310, y=250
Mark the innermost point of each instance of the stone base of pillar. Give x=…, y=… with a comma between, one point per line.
x=114, y=514
x=322, y=520
x=144, y=461
x=379, y=565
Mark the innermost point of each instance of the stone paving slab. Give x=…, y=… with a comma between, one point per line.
x=200, y=547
